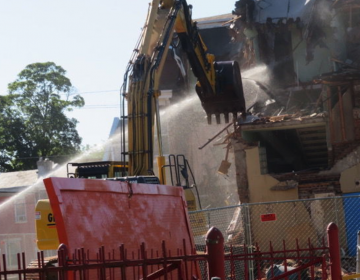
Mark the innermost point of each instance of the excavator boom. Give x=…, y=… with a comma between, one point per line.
x=219, y=85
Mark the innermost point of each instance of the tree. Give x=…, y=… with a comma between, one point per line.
x=33, y=123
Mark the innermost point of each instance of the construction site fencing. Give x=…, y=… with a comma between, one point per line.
x=286, y=221
x=310, y=262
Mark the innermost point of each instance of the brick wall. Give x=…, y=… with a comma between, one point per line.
x=313, y=183
x=357, y=95
x=341, y=150
x=309, y=190
x=356, y=114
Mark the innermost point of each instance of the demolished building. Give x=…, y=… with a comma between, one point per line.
x=306, y=135
x=301, y=76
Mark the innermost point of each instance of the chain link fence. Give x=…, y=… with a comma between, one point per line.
x=285, y=222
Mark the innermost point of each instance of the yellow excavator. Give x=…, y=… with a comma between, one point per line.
x=218, y=87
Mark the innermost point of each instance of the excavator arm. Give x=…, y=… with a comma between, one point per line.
x=219, y=84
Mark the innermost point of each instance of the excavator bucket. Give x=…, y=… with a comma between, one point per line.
x=229, y=95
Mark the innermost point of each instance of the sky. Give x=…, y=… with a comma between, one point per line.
x=92, y=40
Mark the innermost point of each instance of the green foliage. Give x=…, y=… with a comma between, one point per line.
x=32, y=118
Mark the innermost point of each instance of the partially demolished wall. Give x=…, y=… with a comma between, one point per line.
x=317, y=47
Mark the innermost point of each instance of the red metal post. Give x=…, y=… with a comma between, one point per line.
x=215, y=251
x=334, y=251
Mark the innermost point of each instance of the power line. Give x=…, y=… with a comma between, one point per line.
x=92, y=107
x=112, y=106
x=98, y=91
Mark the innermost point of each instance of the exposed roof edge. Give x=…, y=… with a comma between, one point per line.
x=214, y=21
x=13, y=189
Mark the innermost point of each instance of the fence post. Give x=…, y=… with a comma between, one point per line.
x=215, y=251
x=334, y=251
x=62, y=261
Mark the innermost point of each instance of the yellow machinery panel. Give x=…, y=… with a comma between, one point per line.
x=198, y=220
x=46, y=233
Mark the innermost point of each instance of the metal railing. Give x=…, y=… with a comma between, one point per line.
x=220, y=260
